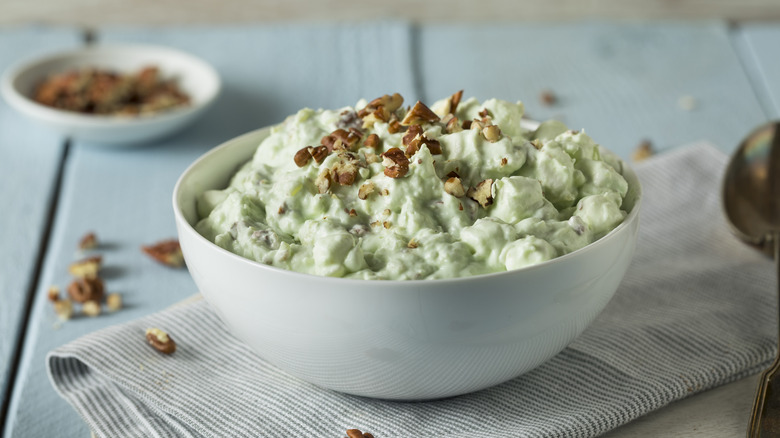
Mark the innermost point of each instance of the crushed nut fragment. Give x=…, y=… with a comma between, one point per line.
x=453, y=125
x=373, y=141
x=302, y=157
x=394, y=126
x=319, y=153
x=419, y=114
x=323, y=181
x=643, y=151
x=482, y=193
x=160, y=340
x=88, y=267
x=484, y=113
x=53, y=294
x=64, y=309
x=89, y=241
x=548, y=98
x=492, y=133
x=345, y=171
x=86, y=289
x=356, y=433
x=455, y=100
x=167, y=252
x=352, y=212
x=412, y=244
x=454, y=186
x=91, y=308
x=365, y=190
x=395, y=162
x=114, y=302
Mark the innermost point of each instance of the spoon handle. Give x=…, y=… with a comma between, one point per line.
x=765, y=418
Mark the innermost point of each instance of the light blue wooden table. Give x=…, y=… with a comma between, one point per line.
x=620, y=81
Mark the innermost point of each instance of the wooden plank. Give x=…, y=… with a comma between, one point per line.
x=29, y=162
x=760, y=48
x=620, y=82
x=125, y=195
x=108, y=12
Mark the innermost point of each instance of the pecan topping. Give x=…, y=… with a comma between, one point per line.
x=323, y=181
x=394, y=126
x=345, y=170
x=86, y=289
x=482, y=193
x=415, y=138
x=365, y=190
x=319, y=153
x=492, y=133
x=160, y=340
x=349, y=119
x=302, y=157
x=504, y=161
x=419, y=114
x=371, y=158
x=454, y=101
x=341, y=139
x=484, y=113
x=167, y=252
x=454, y=186
x=396, y=163
x=536, y=143
x=453, y=125
x=89, y=241
x=466, y=124
x=372, y=141
x=412, y=244
x=391, y=103
x=356, y=433
x=88, y=267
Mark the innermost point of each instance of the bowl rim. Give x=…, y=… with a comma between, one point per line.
x=21, y=102
x=631, y=217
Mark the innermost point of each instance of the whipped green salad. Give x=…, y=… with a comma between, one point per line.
x=394, y=192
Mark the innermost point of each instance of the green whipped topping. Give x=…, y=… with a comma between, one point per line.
x=479, y=193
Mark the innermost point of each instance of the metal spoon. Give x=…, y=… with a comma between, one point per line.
x=751, y=199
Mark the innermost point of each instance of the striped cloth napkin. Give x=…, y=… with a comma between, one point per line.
x=695, y=310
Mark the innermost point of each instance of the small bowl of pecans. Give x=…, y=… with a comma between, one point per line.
x=112, y=95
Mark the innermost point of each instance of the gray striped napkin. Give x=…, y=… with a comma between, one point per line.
x=695, y=310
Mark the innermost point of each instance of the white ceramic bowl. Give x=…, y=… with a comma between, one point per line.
x=403, y=340
x=195, y=77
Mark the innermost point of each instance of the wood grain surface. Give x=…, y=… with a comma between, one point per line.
x=29, y=164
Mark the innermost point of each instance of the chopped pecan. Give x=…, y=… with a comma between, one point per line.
x=64, y=309
x=341, y=139
x=160, y=340
x=396, y=163
x=454, y=186
x=415, y=138
x=114, y=302
x=356, y=433
x=412, y=244
x=167, y=252
x=466, y=124
x=365, y=190
x=91, y=308
x=419, y=114
x=302, y=157
x=504, y=161
x=482, y=193
x=87, y=267
x=319, y=153
x=345, y=171
x=643, y=151
x=391, y=103
x=349, y=119
x=453, y=125
x=53, y=294
x=484, y=113
x=371, y=158
x=492, y=133
x=322, y=182
x=352, y=212
x=86, y=289
x=373, y=141
x=394, y=126
x=412, y=133
x=89, y=241
x=477, y=125
x=455, y=100
x=536, y=143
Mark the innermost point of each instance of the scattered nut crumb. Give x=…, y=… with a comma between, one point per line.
x=64, y=309
x=322, y=182
x=482, y=193
x=687, y=103
x=355, y=433
x=53, y=294
x=89, y=241
x=91, y=308
x=167, y=252
x=412, y=244
x=365, y=190
x=114, y=302
x=86, y=289
x=643, y=151
x=160, y=340
x=419, y=114
x=86, y=268
x=548, y=98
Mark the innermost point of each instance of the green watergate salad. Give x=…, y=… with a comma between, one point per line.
x=383, y=191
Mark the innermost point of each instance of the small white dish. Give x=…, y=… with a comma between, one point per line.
x=194, y=76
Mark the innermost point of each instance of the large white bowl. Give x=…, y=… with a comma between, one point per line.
x=403, y=340
x=197, y=78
